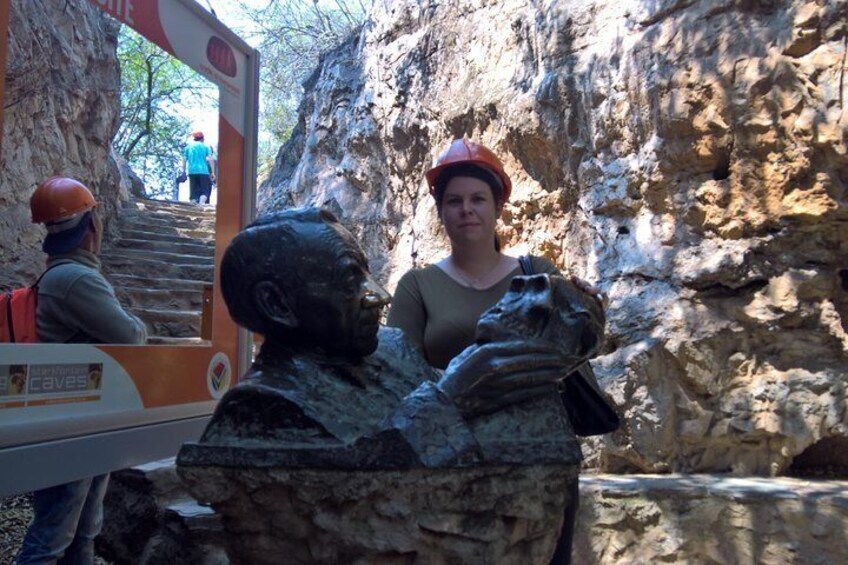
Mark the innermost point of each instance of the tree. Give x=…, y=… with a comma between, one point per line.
x=293, y=35
x=156, y=92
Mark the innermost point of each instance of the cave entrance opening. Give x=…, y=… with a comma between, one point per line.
x=146, y=400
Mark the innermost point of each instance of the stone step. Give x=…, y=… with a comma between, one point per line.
x=170, y=323
x=170, y=206
x=203, y=249
x=181, y=209
x=143, y=267
x=145, y=221
x=204, y=529
x=165, y=256
x=178, y=236
x=149, y=518
x=176, y=341
x=147, y=282
x=160, y=298
x=181, y=212
x=192, y=232
x=199, y=518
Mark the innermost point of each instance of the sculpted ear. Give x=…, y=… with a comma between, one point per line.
x=273, y=304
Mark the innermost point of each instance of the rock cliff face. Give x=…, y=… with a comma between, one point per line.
x=61, y=111
x=687, y=156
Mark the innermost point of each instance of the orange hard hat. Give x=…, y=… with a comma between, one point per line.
x=465, y=152
x=59, y=198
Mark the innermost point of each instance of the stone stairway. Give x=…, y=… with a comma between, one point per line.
x=160, y=265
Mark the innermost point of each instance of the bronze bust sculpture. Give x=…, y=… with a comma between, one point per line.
x=330, y=392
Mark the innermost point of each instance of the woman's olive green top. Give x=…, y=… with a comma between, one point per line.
x=440, y=315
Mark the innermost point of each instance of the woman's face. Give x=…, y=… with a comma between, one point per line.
x=469, y=211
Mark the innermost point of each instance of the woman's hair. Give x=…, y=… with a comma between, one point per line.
x=468, y=170
x=474, y=171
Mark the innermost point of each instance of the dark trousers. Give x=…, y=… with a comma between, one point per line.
x=562, y=555
x=67, y=519
x=199, y=185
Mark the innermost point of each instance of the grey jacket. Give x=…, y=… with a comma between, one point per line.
x=76, y=304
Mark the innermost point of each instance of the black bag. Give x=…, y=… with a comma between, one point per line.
x=589, y=411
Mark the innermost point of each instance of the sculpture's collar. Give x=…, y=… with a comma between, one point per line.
x=274, y=354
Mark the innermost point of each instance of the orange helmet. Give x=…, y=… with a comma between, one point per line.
x=462, y=151
x=59, y=198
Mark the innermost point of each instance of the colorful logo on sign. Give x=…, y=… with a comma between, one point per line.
x=13, y=380
x=218, y=375
x=221, y=56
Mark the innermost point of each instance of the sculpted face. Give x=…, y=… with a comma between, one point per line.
x=341, y=303
x=299, y=278
x=546, y=308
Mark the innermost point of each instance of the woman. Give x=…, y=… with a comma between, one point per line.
x=438, y=306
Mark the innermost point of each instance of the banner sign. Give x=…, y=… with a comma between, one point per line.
x=55, y=396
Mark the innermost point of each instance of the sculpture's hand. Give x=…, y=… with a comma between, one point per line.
x=590, y=289
x=488, y=377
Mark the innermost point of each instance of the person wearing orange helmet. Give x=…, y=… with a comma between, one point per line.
x=199, y=164
x=76, y=304
x=438, y=306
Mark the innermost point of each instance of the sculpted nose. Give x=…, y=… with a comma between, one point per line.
x=374, y=295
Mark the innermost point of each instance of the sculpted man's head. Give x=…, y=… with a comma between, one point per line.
x=299, y=278
x=547, y=308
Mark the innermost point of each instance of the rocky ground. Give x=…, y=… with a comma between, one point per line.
x=15, y=515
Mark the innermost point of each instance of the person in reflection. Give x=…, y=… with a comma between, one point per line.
x=327, y=375
x=200, y=167
x=76, y=304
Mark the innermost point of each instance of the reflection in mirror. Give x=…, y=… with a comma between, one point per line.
x=90, y=99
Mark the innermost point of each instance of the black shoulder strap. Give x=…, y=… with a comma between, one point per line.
x=9, y=316
x=41, y=276
x=526, y=265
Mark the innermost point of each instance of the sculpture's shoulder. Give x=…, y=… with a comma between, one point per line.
x=398, y=354
x=262, y=407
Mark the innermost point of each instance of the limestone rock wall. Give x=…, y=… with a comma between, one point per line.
x=61, y=111
x=688, y=156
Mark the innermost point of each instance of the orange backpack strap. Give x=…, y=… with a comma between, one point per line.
x=6, y=331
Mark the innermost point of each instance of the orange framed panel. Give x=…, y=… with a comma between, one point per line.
x=125, y=405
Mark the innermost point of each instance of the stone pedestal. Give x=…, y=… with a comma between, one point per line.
x=498, y=514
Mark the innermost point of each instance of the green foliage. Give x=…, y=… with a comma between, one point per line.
x=156, y=91
x=293, y=35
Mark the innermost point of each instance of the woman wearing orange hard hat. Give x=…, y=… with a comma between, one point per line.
x=438, y=306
